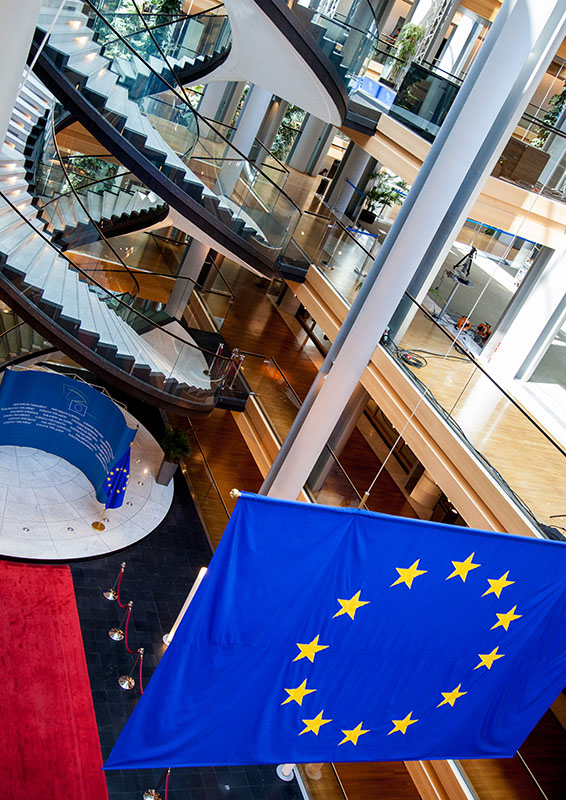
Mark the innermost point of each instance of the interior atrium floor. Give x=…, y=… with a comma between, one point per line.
x=47, y=506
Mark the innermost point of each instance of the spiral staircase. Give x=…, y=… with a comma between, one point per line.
x=98, y=328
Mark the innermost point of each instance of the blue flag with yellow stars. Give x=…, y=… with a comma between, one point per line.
x=329, y=634
x=117, y=481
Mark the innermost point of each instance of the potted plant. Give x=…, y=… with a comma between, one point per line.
x=175, y=445
x=407, y=45
x=388, y=190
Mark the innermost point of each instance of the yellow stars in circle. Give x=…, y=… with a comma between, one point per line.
x=354, y=735
x=497, y=586
x=408, y=575
x=298, y=694
x=310, y=650
x=402, y=724
x=314, y=725
x=350, y=606
x=461, y=568
x=506, y=619
x=451, y=697
x=487, y=659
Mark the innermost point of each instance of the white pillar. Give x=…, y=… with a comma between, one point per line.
x=350, y=173
x=459, y=44
x=529, y=324
x=314, y=132
x=524, y=38
x=248, y=123
x=187, y=276
x=211, y=99
x=17, y=26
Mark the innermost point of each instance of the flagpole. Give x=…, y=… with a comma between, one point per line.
x=168, y=636
x=99, y=525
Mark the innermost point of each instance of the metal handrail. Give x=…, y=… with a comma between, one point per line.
x=198, y=117
x=110, y=295
x=51, y=122
x=13, y=328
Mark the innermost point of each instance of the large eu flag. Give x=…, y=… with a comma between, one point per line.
x=327, y=634
x=117, y=481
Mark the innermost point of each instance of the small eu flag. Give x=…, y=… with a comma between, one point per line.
x=329, y=634
x=117, y=481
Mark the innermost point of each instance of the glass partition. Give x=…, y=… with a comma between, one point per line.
x=526, y=462
x=134, y=86
x=347, y=34
x=423, y=100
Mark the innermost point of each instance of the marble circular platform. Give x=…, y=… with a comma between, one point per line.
x=47, y=505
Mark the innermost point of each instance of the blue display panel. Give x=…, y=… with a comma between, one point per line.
x=62, y=416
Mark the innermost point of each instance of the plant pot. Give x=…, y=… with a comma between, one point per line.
x=366, y=216
x=166, y=472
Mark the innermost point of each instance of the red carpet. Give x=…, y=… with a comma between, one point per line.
x=49, y=745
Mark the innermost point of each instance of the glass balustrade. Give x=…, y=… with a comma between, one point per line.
x=155, y=115
x=94, y=298
x=527, y=463
x=347, y=35
x=191, y=40
x=17, y=338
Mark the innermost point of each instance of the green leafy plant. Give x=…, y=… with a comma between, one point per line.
x=84, y=170
x=176, y=444
x=287, y=132
x=407, y=45
x=388, y=190
x=557, y=104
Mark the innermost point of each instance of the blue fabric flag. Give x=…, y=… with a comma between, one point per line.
x=117, y=481
x=328, y=634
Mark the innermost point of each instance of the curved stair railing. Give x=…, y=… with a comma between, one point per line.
x=250, y=218
x=344, y=40
x=196, y=43
x=95, y=326
x=18, y=340
x=86, y=198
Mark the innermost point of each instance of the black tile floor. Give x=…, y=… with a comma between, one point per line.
x=159, y=573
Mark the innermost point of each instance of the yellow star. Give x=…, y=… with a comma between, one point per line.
x=462, y=568
x=497, y=586
x=451, y=697
x=402, y=724
x=315, y=724
x=298, y=694
x=310, y=650
x=354, y=735
x=350, y=606
x=408, y=575
x=506, y=619
x=488, y=659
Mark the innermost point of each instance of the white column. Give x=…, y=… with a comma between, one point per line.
x=271, y=124
x=248, y=123
x=524, y=38
x=529, y=324
x=186, y=278
x=459, y=44
x=353, y=169
x=211, y=99
x=312, y=133
x=17, y=26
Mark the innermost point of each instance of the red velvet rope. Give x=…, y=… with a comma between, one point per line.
x=122, y=605
x=167, y=785
x=126, y=632
x=140, y=673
